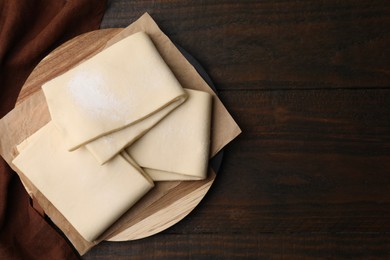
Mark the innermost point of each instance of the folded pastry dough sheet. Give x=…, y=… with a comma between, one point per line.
x=107, y=146
x=177, y=148
x=118, y=87
x=90, y=196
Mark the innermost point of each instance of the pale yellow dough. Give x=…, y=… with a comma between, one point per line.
x=177, y=148
x=106, y=147
x=120, y=86
x=90, y=196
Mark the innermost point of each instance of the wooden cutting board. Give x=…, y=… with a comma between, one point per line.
x=169, y=202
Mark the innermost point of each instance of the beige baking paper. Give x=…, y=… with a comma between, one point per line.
x=32, y=114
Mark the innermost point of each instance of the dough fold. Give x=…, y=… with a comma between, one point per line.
x=107, y=146
x=117, y=88
x=177, y=148
x=90, y=196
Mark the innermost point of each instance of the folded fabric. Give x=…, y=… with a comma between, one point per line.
x=177, y=148
x=117, y=88
x=90, y=196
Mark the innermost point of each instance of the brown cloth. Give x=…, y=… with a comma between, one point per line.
x=29, y=30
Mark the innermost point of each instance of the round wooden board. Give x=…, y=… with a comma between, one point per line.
x=168, y=202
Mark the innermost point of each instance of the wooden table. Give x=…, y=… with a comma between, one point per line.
x=309, y=83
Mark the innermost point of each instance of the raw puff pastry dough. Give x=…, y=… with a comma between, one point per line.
x=90, y=196
x=177, y=148
x=118, y=87
x=106, y=147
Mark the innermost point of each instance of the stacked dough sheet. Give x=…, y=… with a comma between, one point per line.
x=120, y=121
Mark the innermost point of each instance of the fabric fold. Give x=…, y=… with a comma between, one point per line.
x=29, y=30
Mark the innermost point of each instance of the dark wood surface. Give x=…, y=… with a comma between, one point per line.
x=309, y=83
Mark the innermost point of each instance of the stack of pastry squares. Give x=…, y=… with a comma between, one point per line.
x=120, y=121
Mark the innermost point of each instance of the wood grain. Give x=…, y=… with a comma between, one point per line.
x=308, y=81
x=276, y=44
x=300, y=166
x=249, y=246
